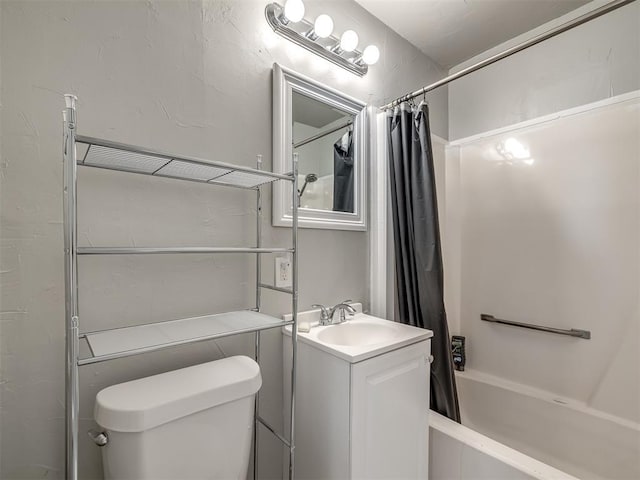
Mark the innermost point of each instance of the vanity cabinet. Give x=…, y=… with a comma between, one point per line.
x=389, y=414
x=365, y=419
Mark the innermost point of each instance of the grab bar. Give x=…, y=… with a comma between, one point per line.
x=574, y=332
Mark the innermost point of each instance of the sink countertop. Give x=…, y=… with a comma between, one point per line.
x=396, y=335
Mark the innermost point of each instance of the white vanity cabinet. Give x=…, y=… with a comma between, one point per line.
x=389, y=414
x=362, y=415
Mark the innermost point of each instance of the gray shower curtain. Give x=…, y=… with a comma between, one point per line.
x=418, y=257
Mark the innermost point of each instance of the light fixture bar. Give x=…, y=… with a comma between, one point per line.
x=273, y=13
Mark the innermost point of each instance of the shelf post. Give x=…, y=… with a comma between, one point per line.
x=258, y=302
x=258, y=235
x=71, y=287
x=294, y=313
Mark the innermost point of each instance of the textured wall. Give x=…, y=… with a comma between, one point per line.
x=597, y=60
x=191, y=77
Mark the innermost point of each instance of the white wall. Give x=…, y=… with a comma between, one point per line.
x=317, y=156
x=557, y=242
x=597, y=60
x=191, y=77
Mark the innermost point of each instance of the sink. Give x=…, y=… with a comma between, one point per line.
x=360, y=333
x=361, y=337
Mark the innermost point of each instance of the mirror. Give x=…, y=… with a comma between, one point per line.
x=326, y=128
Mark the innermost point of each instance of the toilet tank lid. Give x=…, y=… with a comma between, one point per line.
x=146, y=403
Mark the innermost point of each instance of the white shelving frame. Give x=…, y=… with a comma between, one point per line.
x=109, y=344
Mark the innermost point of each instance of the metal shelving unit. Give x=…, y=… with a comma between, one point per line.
x=115, y=343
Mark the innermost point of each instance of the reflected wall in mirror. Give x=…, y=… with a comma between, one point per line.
x=327, y=130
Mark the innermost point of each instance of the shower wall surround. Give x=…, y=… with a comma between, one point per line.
x=554, y=239
x=191, y=77
x=594, y=62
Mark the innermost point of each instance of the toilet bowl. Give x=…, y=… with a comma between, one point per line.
x=193, y=423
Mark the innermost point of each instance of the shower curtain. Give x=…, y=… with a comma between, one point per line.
x=418, y=257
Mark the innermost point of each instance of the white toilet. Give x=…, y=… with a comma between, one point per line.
x=193, y=423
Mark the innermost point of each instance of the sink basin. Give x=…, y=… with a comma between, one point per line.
x=354, y=334
x=359, y=338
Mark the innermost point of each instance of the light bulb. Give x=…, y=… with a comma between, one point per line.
x=371, y=55
x=323, y=26
x=349, y=41
x=294, y=10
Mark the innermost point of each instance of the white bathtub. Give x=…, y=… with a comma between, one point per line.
x=571, y=437
x=457, y=452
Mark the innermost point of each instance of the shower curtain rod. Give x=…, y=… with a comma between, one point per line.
x=609, y=7
x=321, y=134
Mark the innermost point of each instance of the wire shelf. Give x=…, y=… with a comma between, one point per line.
x=129, y=158
x=172, y=250
x=104, y=345
x=127, y=341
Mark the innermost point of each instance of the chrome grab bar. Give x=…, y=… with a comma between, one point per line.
x=574, y=332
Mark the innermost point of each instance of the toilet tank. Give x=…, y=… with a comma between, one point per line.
x=193, y=423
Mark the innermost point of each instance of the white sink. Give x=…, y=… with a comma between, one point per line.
x=360, y=333
x=359, y=338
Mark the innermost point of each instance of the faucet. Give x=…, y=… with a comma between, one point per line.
x=344, y=307
x=326, y=314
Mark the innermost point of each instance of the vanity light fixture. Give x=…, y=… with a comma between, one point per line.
x=322, y=28
x=293, y=11
x=349, y=41
x=370, y=55
x=288, y=21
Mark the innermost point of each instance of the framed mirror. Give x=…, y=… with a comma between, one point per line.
x=327, y=129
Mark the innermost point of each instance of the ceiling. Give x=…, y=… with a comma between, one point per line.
x=452, y=31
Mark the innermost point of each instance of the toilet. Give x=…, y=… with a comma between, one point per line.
x=193, y=423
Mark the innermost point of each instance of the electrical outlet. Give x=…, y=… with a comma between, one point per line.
x=283, y=272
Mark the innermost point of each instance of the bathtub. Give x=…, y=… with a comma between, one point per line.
x=539, y=436
x=457, y=452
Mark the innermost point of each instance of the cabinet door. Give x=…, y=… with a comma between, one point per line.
x=390, y=415
x=322, y=414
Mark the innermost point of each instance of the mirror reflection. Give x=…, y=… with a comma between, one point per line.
x=322, y=135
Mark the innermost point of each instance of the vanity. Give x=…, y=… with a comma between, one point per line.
x=362, y=399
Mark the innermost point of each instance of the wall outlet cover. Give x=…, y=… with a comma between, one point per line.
x=283, y=272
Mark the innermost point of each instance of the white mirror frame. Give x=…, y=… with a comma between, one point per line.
x=285, y=82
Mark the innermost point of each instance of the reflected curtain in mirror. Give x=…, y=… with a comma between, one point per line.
x=343, y=174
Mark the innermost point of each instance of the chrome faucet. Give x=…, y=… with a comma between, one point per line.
x=344, y=308
x=326, y=314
